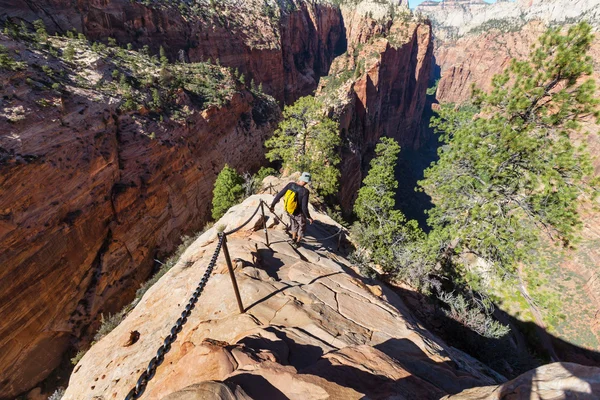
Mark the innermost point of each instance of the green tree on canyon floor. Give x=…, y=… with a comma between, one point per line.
x=514, y=171
x=227, y=192
x=381, y=228
x=307, y=140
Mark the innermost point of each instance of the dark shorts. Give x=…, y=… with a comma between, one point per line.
x=297, y=224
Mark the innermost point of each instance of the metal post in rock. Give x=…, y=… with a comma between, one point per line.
x=231, y=274
x=262, y=209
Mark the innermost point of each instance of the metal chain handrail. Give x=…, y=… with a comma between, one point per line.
x=137, y=391
x=139, y=388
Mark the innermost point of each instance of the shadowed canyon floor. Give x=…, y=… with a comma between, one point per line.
x=313, y=329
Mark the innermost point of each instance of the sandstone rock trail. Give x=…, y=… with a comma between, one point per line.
x=313, y=329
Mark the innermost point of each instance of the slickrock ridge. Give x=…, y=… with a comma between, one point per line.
x=313, y=328
x=287, y=51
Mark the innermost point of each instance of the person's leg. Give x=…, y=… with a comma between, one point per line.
x=301, y=227
x=293, y=227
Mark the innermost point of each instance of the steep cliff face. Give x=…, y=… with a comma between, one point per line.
x=453, y=19
x=91, y=195
x=378, y=88
x=285, y=49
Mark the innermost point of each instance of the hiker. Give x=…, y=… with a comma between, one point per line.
x=295, y=199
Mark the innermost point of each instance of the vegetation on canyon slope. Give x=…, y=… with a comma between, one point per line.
x=136, y=79
x=509, y=179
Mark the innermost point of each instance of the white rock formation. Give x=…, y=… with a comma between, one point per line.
x=456, y=18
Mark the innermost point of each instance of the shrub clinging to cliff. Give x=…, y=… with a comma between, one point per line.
x=227, y=192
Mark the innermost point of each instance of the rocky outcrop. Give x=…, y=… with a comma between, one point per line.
x=454, y=19
x=388, y=67
x=90, y=196
x=552, y=381
x=312, y=328
x=287, y=50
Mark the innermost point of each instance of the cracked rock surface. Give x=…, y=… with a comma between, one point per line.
x=313, y=329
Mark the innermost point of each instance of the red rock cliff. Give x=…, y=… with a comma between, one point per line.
x=287, y=51
x=88, y=199
x=91, y=195
x=386, y=95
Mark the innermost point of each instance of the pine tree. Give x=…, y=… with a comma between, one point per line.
x=69, y=52
x=380, y=228
x=307, y=140
x=510, y=170
x=227, y=192
x=40, y=30
x=163, y=56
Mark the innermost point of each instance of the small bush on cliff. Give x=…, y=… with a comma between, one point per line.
x=7, y=62
x=227, y=192
x=382, y=229
x=474, y=315
x=307, y=140
x=107, y=324
x=513, y=172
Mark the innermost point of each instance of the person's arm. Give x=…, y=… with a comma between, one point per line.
x=305, y=205
x=280, y=195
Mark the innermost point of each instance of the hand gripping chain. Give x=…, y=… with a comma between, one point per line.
x=137, y=391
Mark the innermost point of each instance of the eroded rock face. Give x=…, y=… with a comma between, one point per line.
x=453, y=19
x=387, y=95
x=312, y=329
x=286, y=51
x=88, y=199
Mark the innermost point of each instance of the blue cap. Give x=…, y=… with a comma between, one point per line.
x=305, y=177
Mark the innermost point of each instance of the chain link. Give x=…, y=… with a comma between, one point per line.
x=140, y=386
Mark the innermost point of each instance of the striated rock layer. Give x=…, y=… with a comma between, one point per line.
x=386, y=96
x=287, y=51
x=313, y=329
x=89, y=198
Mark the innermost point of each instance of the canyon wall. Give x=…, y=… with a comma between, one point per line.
x=90, y=196
x=88, y=199
x=386, y=94
x=288, y=50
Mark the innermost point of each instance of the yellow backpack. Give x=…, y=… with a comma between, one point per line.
x=290, y=201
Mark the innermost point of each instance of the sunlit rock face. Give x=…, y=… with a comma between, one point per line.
x=312, y=328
